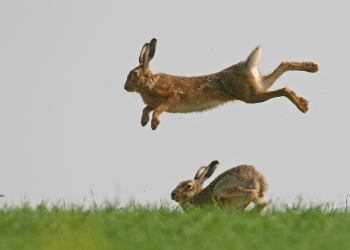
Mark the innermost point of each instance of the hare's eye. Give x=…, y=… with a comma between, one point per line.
x=188, y=186
x=136, y=74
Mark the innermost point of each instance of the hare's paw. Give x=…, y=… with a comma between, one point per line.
x=303, y=105
x=311, y=67
x=155, y=122
x=144, y=119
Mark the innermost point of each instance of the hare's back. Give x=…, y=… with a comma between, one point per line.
x=243, y=176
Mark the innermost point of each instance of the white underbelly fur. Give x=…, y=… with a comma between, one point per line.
x=194, y=107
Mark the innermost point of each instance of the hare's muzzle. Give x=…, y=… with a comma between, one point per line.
x=173, y=195
x=127, y=87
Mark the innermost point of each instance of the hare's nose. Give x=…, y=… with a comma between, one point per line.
x=173, y=195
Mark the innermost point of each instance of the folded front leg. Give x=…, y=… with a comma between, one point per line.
x=160, y=109
x=145, y=115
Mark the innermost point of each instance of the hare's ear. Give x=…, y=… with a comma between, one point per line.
x=144, y=48
x=199, y=172
x=152, y=49
x=204, y=174
x=211, y=168
x=147, y=53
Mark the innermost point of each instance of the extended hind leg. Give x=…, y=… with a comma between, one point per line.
x=268, y=80
x=261, y=96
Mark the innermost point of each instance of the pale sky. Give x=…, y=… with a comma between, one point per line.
x=68, y=127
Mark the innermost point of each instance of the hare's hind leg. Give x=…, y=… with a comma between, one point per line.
x=261, y=203
x=246, y=196
x=249, y=195
x=268, y=80
x=261, y=96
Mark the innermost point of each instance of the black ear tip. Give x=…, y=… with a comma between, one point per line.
x=215, y=162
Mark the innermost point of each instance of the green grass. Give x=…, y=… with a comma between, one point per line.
x=162, y=227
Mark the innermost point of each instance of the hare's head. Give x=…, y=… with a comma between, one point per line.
x=187, y=189
x=141, y=74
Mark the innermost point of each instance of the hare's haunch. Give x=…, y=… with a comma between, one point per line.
x=179, y=94
x=235, y=188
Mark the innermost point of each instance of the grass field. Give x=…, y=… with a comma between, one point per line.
x=134, y=226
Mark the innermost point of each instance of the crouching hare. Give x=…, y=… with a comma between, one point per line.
x=235, y=188
x=179, y=94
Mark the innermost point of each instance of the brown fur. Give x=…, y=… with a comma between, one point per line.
x=176, y=94
x=235, y=188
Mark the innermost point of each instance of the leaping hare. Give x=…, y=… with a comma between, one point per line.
x=179, y=94
x=237, y=187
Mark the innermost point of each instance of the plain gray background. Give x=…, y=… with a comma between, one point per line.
x=68, y=127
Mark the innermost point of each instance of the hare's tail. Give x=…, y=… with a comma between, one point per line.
x=254, y=57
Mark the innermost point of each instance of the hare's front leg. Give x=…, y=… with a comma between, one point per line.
x=160, y=109
x=145, y=115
